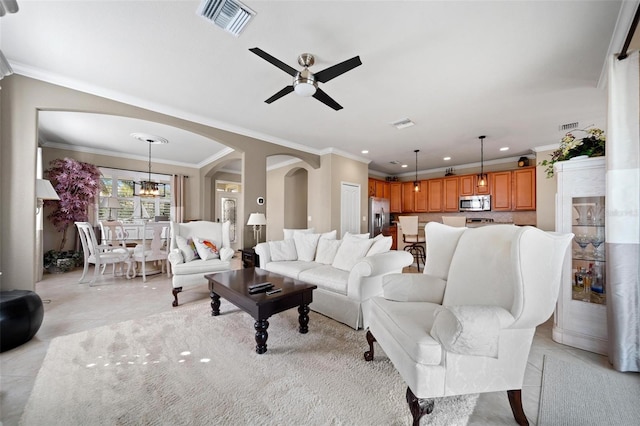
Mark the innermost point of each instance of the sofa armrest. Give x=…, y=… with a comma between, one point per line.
x=471, y=329
x=262, y=250
x=175, y=257
x=413, y=288
x=369, y=270
x=226, y=254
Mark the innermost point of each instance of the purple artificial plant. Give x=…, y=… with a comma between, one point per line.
x=77, y=185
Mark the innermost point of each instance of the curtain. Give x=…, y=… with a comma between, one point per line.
x=178, y=197
x=623, y=213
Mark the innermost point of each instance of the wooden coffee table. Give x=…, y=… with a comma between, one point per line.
x=234, y=286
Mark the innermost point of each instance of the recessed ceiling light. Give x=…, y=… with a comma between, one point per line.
x=404, y=165
x=504, y=148
x=447, y=158
x=365, y=151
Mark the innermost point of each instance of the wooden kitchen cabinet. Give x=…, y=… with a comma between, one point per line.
x=469, y=186
x=435, y=190
x=500, y=183
x=421, y=197
x=524, y=189
x=451, y=197
x=408, y=197
x=382, y=189
x=395, y=197
x=372, y=187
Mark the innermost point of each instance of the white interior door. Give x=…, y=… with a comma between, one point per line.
x=349, y=208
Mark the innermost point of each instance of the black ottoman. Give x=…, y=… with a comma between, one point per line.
x=21, y=315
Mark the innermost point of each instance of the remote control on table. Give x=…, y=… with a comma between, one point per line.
x=261, y=285
x=274, y=291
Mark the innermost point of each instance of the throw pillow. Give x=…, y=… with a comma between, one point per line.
x=348, y=235
x=470, y=329
x=187, y=248
x=326, y=251
x=288, y=233
x=350, y=251
x=306, y=245
x=381, y=244
x=283, y=250
x=331, y=235
x=207, y=249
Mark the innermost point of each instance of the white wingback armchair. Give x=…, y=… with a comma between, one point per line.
x=466, y=324
x=188, y=268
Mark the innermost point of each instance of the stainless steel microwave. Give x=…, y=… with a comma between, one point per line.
x=475, y=203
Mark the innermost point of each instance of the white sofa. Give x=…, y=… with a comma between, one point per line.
x=347, y=272
x=466, y=324
x=191, y=262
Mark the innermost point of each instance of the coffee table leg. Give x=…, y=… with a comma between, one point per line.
x=261, y=335
x=303, y=318
x=215, y=304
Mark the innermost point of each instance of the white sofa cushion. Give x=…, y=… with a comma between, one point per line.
x=380, y=244
x=288, y=233
x=207, y=248
x=326, y=277
x=413, y=288
x=326, y=251
x=187, y=248
x=283, y=250
x=470, y=329
x=350, y=251
x=199, y=266
x=306, y=245
x=290, y=268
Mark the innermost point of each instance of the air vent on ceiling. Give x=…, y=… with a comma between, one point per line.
x=230, y=15
x=568, y=126
x=404, y=123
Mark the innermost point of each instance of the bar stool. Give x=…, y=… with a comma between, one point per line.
x=410, y=236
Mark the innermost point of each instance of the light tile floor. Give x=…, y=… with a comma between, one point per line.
x=71, y=307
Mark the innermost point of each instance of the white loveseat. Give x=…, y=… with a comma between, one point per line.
x=347, y=272
x=191, y=255
x=466, y=324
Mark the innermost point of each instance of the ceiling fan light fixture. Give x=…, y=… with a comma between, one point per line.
x=305, y=83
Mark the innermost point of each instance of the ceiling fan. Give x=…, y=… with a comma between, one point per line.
x=305, y=83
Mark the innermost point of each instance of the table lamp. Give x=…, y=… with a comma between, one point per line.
x=257, y=220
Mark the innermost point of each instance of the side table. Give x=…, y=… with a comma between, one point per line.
x=249, y=258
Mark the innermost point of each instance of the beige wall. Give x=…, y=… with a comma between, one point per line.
x=20, y=100
x=323, y=193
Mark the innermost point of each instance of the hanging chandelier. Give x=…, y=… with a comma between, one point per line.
x=482, y=177
x=416, y=183
x=149, y=188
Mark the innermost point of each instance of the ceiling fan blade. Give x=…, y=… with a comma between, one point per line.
x=277, y=62
x=326, y=99
x=280, y=94
x=335, y=70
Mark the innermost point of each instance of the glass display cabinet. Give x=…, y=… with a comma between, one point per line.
x=580, y=318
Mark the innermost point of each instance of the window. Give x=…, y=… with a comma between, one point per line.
x=121, y=184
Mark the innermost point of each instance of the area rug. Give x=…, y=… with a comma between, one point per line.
x=576, y=394
x=186, y=367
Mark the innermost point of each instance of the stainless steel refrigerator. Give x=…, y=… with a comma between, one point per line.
x=379, y=216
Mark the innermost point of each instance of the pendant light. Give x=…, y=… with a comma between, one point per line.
x=416, y=183
x=149, y=188
x=482, y=177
